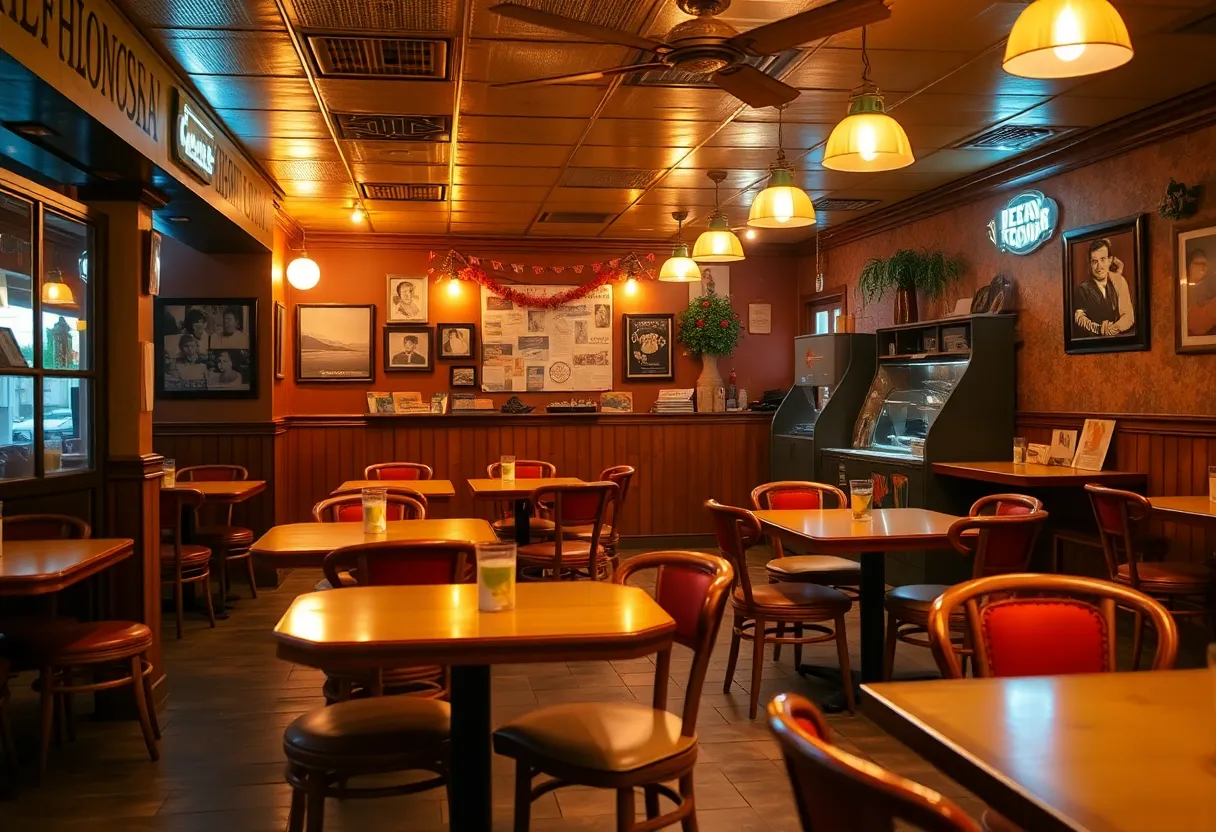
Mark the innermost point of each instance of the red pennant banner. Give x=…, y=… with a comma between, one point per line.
x=559, y=269
x=614, y=263
x=650, y=257
x=578, y=269
x=595, y=267
x=517, y=268
x=537, y=269
x=497, y=264
x=476, y=261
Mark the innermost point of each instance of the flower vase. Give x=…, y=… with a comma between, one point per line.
x=905, y=307
x=708, y=383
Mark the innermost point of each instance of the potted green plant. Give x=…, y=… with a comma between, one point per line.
x=709, y=327
x=907, y=271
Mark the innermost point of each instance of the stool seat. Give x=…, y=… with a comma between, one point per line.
x=1170, y=576
x=603, y=736
x=228, y=537
x=385, y=725
x=537, y=525
x=815, y=569
x=192, y=555
x=100, y=641
x=785, y=599
x=574, y=553
x=913, y=598
x=586, y=531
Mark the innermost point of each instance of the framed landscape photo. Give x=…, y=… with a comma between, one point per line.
x=457, y=340
x=1106, y=304
x=208, y=348
x=463, y=376
x=335, y=342
x=407, y=299
x=408, y=348
x=648, y=346
x=1195, y=297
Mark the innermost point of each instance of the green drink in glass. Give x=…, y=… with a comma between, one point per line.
x=495, y=577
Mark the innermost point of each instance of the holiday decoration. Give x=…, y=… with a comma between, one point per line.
x=710, y=326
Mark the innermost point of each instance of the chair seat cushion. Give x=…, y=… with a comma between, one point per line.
x=230, y=537
x=603, y=736
x=192, y=554
x=536, y=524
x=584, y=532
x=788, y=597
x=1170, y=574
x=97, y=639
x=914, y=597
x=380, y=725
x=574, y=552
x=24, y=641
x=810, y=567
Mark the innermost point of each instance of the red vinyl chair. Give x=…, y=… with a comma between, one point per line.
x=348, y=508
x=578, y=505
x=398, y=471
x=183, y=563
x=610, y=533
x=539, y=527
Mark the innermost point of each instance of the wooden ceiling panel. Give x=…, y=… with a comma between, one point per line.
x=654, y=132
x=205, y=14
x=414, y=98
x=426, y=211
x=496, y=193
x=959, y=162
x=671, y=104
x=698, y=178
x=220, y=52
x=307, y=188
x=628, y=15
x=518, y=155
x=595, y=199
x=567, y=101
x=280, y=149
x=752, y=158
x=283, y=124
x=893, y=70
x=491, y=61
x=241, y=92
x=1191, y=60
x=520, y=130
x=634, y=158
x=813, y=106
x=389, y=225
x=940, y=25
x=955, y=110
x=1080, y=111
x=742, y=14
x=984, y=75
x=401, y=153
x=310, y=171
x=483, y=175
x=489, y=229
x=673, y=199
x=818, y=179
x=407, y=174
x=762, y=134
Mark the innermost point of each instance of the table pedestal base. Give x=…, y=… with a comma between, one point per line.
x=471, y=786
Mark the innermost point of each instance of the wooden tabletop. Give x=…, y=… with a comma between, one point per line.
x=1198, y=510
x=496, y=489
x=307, y=544
x=1105, y=752
x=835, y=530
x=436, y=490
x=388, y=626
x=224, y=491
x=1032, y=474
x=36, y=567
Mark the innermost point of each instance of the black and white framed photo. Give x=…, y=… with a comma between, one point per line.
x=648, y=344
x=335, y=342
x=152, y=255
x=1106, y=304
x=1195, y=297
x=407, y=298
x=280, y=330
x=456, y=340
x=408, y=348
x=461, y=376
x=208, y=348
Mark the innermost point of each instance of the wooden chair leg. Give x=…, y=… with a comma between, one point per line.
x=777, y=644
x=295, y=819
x=47, y=716
x=842, y=655
x=1137, y=639
x=797, y=647
x=207, y=599
x=315, y=802
x=652, y=802
x=253, y=581
x=757, y=667
x=523, y=796
x=624, y=810
x=178, y=592
x=142, y=706
x=888, y=652
x=146, y=681
x=689, y=822
x=733, y=657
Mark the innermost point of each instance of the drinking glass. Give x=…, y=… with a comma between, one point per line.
x=861, y=498
x=1019, y=450
x=1212, y=483
x=169, y=466
x=495, y=577
x=52, y=454
x=507, y=465
x=375, y=511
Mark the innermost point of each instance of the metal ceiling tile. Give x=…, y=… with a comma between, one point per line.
x=308, y=171
x=287, y=124
x=566, y=101
x=939, y=25
x=656, y=158
x=239, y=92
x=392, y=225
x=501, y=209
x=402, y=153
x=1081, y=111
x=520, y=130
x=671, y=104
x=627, y=15
x=497, y=193
x=891, y=69
x=812, y=106
x=380, y=16
x=415, y=98
x=307, y=188
x=478, y=175
x=698, y=178
x=419, y=174
x=518, y=155
x=614, y=132
x=741, y=14
x=596, y=198
x=220, y=52
x=204, y=14
x=409, y=209
x=982, y=110
x=285, y=149
x=492, y=61
x=763, y=134
x=726, y=158
x=673, y=199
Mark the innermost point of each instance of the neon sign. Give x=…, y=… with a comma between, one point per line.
x=1025, y=223
x=193, y=141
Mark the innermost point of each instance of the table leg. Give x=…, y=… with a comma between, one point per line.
x=471, y=786
x=873, y=593
x=523, y=523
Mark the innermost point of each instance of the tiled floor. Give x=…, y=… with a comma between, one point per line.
x=230, y=698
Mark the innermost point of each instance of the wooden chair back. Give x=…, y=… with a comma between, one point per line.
x=737, y=530
x=1007, y=527
x=1122, y=517
x=218, y=514
x=525, y=469
x=578, y=504
x=622, y=475
x=390, y=490
x=692, y=587
x=348, y=508
x=46, y=527
x=836, y=790
x=1042, y=625
x=398, y=471
x=403, y=563
x=174, y=501
x=795, y=494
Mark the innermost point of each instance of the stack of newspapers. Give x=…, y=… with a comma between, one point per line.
x=674, y=401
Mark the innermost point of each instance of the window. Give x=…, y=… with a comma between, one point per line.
x=822, y=315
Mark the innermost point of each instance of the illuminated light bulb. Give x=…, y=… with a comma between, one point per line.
x=750, y=234
x=867, y=142
x=1067, y=29
x=453, y=287
x=720, y=244
x=783, y=205
x=631, y=287
x=357, y=216
x=303, y=273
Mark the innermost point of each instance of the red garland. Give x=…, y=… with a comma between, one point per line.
x=530, y=301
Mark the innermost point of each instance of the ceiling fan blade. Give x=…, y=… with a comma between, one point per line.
x=603, y=34
x=754, y=88
x=820, y=22
x=594, y=75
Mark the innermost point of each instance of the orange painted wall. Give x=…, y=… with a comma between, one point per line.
x=1157, y=381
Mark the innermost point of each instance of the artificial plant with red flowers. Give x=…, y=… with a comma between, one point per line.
x=709, y=326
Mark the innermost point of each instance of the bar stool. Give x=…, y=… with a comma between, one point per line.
x=525, y=469
x=998, y=535
x=226, y=541
x=398, y=471
x=576, y=505
x=183, y=563
x=610, y=533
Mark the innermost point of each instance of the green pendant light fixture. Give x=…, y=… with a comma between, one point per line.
x=867, y=140
x=679, y=267
x=717, y=244
x=782, y=204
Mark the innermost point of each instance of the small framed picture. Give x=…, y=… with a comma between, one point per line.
x=408, y=348
x=152, y=279
x=456, y=340
x=463, y=376
x=407, y=297
x=280, y=328
x=1195, y=296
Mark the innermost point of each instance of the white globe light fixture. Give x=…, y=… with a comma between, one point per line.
x=303, y=273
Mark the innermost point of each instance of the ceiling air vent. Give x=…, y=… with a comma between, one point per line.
x=393, y=128
x=829, y=204
x=772, y=65
x=381, y=16
x=385, y=58
x=1009, y=137
x=608, y=178
x=395, y=192
x=574, y=218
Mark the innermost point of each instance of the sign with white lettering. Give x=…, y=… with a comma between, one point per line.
x=1025, y=223
x=193, y=139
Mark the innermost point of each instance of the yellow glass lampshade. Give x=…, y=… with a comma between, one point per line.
x=303, y=273
x=1067, y=38
x=868, y=139
x=679, y=268
x=718, y=244
x=56, y=293
x=782, y=204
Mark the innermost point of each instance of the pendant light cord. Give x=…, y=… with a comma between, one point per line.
x=865, y=60
x=780, y=135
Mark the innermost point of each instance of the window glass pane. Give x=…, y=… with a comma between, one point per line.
x=821, y=323
x=16, y=260
x=65, y=293
x=836, y=319
x=67, y=417
x=16, y=427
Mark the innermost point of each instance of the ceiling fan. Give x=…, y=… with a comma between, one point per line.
x=706, y=46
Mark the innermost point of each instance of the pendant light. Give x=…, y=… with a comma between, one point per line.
x=54, y=291
x=680, y=268
x=782, y=204
x=303, y=273
x=1067, y=38
x=718, y=244
x=868, y=140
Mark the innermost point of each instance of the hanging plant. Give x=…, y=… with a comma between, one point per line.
x=929, y=272
x=1179, y=201
x=710, y=325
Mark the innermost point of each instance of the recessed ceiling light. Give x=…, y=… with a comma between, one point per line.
x=31, y=129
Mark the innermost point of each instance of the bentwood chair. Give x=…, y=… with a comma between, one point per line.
x=610, y=533
x=836, y=790
x=1184, y=588
x=624, y=746
x=815, y=569
x=803, y=607
x=398, y=471
x=581, y=505
x=525, y=469
x=214, y=528
x=998, y=535
x=399, y=490
x=46, y=527
x=183, y=563
x=348, y=508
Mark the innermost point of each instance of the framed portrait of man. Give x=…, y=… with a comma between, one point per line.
x=408, y=348
x=456, y=340
x=1195, y=297
x=407, y=299
x=1106, y=304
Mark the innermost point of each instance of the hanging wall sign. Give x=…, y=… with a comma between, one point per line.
x=1025, y=223
x=193, y=139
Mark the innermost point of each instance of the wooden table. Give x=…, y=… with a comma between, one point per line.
x=835, y=532
x=518, y=492
x=362, y=628
x=1195, y=511
x=307, y=544
x=38, y=567
x=1034, y=475
x=223, y=491
x=435, y=491
x=1107, y=752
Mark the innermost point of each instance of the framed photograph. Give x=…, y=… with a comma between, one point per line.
x=1106, y=305
x=280, y=329
x=1063, y=447
x=648, y=346
x=1195, y=297
x=408, y=348
x=463, y=376
x=152, y=278
x=335, y=342
x=1093, y=444
x=407, y=297
x=208, y=348
x=456, y=340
